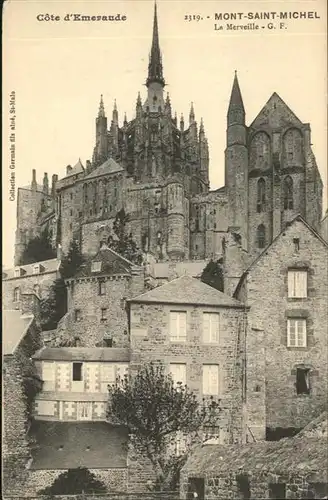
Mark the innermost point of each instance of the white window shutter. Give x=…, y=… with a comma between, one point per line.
x=214, y=380
x=214, y=327
x=206, y=328
x=182, y=325
x=291, y=284
x=302, y=284
x=173, y=325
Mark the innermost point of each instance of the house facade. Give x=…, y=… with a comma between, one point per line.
x=286, y=289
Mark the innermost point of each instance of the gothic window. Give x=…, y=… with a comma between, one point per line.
x=260, y=151
x=260, y=236
x=95, y=197
x=197, y=218
x=288, y=193
x=16, y=294
x=153, y=133
x=293, y=146
x=261, y=195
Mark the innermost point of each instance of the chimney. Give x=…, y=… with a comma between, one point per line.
x=59, y=252
x=88, y=166
x=33, y=184
x=45, y=183
x=68, y=169
x=53, y=185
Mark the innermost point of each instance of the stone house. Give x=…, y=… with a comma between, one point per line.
x=21, y=338
x=30, y=278
x=198, y=333
x=70, y=427
x=96, y=301
x=293, y=468
x=286, y=289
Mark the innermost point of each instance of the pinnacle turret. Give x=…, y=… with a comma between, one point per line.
x=115, y=113
x=155, y=68
x=191, y=114
x=101, y=112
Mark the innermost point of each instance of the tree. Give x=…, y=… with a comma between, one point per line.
x=73, y=482
x=72, y=261
x=156, y=411
x=54, y=307
x=122, y=242
x=213, y=275
x=38, y=249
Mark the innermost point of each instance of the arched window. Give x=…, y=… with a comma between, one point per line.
x=36, y=290
x=288, y=193
x=16, y=294
x=260, y=236
x=261, y=195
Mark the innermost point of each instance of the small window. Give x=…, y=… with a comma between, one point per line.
x=104, y=314
x=17, y=272
x=277, y=491
x=296, y=332
x=84, y=411
x=178, y=374
x=211, y=380
x=108, y=342
x=102, y=288
x=261, y=195
x=36, y=269
x=36, y=290
x=211, y=328
x=16, y=294
x=297, y=283
x=71, y=227
x=95, y=267
x=71, y=196
x=178, y=326
x=302, y=381
x=296, y=242
x=211, y=435
x=77, y=372
x=261, y=236
x=288, y=195
x=71, y=212
x=78, y=315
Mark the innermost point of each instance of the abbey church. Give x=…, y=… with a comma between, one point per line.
x=156, y=167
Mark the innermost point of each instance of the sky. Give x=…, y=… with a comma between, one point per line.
x=58, y=70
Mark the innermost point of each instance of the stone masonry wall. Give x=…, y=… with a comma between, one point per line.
x=114, y=479
x=26, y=284
x=150, y=342
x=269, y=309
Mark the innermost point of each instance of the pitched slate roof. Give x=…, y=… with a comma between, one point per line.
x=95, y=445
x=187, y=290
x=263, y=254
x=47, y=266
x=284, y=110
x=77, y=169
x=83, y=354
x=108, y=167
x=192, y=268
x=14, y=328
x=111, y=264
x=297, y=454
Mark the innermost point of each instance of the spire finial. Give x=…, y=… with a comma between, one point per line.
x=236, y=98
x=101, y=111
x=155, y=68
x=191, y=114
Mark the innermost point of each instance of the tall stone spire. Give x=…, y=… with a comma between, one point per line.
x=191, y=114
x=101, y=112
x=236, y=110
x=155, y=67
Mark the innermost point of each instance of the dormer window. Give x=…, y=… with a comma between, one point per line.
x=95, y=267
x=36, y=269
x=17, y=272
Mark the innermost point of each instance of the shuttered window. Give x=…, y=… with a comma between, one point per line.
x=178, y=326
x=45, y=408
x=296, y=332
x=107, y=376
x=48, y=376
x=84, y=411
x=178, y=373
x=297, y=284
x=211, y=322
x=211, y=380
